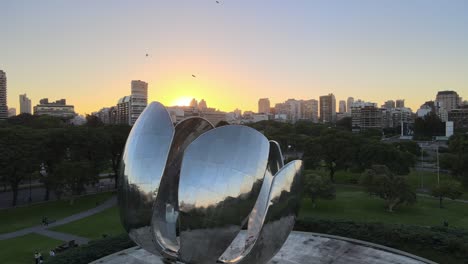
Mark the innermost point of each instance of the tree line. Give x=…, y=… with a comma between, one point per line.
x=64, y=158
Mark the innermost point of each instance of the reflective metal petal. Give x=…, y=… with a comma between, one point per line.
x=221, y=176
x=257, y=216
x=281, y=215
x=166, y=207
x=141, y=169
x=275, y=159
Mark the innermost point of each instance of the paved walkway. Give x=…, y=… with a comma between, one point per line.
x=43, y=230
x=300, y=248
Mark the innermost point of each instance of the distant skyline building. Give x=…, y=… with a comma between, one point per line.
x=264, y=106
x=328, y=108
x=3, y=96
x=349, y=103
x=365, y=116
x=342, y=106
x=310, y=110
x=194, y=103
x=400, y=103
x=25, y=104
x=123, y=111
x=138, y=99
x=390, y=104
x=448, y=100
x=202, y=106
x=58, y=108
x=294, y=109
x=11, y=112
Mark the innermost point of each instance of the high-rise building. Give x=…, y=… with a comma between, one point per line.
x=342, y=106
x=194, y=103
x=390, y=104
x=448, y=100
x=123, y=110
x=58, y=108
x=327, y=109
x=264, y=106
x=366, y=116
x=138, y=99
x=3, y=96
x=400, y=103
x=25, y=104
x=349, y=103
x=294, y=109
x=11, y=112
x=202, y=106
x=310, y=110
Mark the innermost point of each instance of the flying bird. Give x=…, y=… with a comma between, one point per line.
x=147, y=55
x=217, y=2
x=194, y=76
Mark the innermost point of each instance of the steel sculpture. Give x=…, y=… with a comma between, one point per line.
x=186, y=192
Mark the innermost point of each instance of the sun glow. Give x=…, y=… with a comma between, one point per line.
x=182, y=101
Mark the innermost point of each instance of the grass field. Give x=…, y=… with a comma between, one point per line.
x=417, y=179
x=21, y=249
x=23, y=217
x=93, y=227
x=352, y=203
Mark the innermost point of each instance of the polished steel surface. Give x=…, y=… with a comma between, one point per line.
x=166, y=207
x=142, y=167
x=221, y=177
x=281, y=214
x=275, y=159
x=186, y=192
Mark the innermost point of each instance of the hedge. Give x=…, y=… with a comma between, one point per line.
x=95, y=249
x=434, y=243
x=444, y=245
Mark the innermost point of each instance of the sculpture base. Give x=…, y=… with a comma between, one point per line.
x=301, y=247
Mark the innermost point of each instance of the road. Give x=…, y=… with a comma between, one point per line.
x=38, y=193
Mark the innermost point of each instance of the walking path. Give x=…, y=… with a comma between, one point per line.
x=43, y=230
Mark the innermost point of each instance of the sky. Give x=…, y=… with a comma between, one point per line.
x=88, y=51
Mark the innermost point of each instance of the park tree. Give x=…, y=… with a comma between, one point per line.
x=393, y=189
x=428, y=126
x=18, y=159
x=116, y=138
x=76, y=175
x=318, y=187
x=334, y=147
x=458, y=153
x=372, y=152
x=447, y=189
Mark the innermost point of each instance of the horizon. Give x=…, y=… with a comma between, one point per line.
x=239, y=51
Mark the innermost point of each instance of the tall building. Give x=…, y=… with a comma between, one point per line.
x=264, y=106
x=25, y=104
x=366, y=116
x=390, y=104
x=327, y=109
x=138, y=99
x=11, y=112
x=400, y=103
x=294, y=109
x=342, y=106
x=349, y=103
x=194, y=103
x=310, y=110
x=448, y=100
x=3, y=96
x=58, y=108
x=202, y=106
x=123, y=111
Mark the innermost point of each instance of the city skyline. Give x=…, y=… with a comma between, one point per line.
x=233, y=53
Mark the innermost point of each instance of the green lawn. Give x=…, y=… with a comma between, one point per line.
x=93, y=227
x=353, y=204
x=23, y=217
x=417, y=179
x=21, y=249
